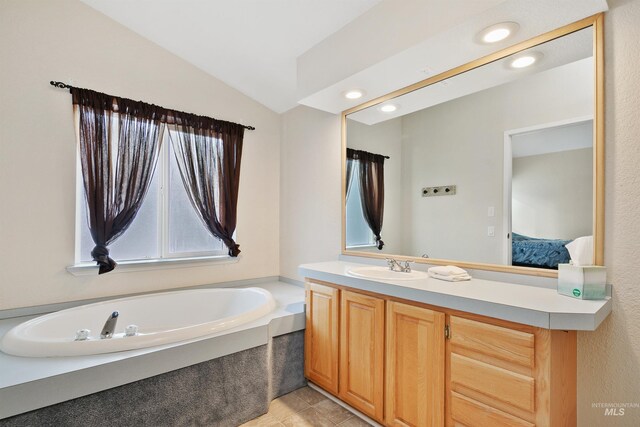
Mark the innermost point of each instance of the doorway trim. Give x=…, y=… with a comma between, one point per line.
x=508, y=175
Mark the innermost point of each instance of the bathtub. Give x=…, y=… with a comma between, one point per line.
x=161, y=318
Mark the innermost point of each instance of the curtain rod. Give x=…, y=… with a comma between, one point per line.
x=61, y=85
x=386, y=157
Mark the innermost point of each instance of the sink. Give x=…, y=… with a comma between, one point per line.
x=384, y=273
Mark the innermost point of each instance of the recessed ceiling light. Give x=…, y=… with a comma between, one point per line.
x=388, y=108
x=497, y=32
x=353, y=94
x=525, y=60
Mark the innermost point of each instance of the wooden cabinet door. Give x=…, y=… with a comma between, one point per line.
x=321, y=336
x=415, y=366
x=362, y=353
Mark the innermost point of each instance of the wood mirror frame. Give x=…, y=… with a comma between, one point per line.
x=596, y=22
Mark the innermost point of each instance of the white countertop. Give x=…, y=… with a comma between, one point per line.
x=529, y=305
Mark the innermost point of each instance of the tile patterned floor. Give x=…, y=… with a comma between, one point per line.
x=306, y=407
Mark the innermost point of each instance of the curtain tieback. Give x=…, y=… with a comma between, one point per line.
x=234, y=248
x=100, y=255
x=379, y=242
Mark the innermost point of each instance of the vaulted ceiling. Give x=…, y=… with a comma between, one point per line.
x=288, y=52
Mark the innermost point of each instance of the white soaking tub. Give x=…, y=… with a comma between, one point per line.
x=161, y=318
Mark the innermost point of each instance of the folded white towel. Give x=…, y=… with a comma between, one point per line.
x=448, y=270
x=450, y=278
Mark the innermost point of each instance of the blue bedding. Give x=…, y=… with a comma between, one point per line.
x=542, y=253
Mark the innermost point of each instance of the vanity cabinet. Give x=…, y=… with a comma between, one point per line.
x=362, y=353
x=404, y=363
x=321, y=336
x=415, y=366
x=506, y=374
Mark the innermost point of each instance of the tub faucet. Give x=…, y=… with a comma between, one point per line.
x=395, y=265
x=109, y=326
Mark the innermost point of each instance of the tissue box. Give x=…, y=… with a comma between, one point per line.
x=583, y=282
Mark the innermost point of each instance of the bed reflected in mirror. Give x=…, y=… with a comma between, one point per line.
x=551, y=196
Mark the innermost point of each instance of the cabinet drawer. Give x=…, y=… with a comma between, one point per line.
x=492, y=382
x=469, y=412
x=511, y=346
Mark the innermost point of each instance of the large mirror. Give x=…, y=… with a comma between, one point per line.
x=494, y=165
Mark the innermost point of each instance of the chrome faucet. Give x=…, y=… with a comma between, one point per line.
x=109, y=326
x=395, y=265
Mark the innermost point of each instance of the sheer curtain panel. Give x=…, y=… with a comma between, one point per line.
x=119, y=141
x=208, y=153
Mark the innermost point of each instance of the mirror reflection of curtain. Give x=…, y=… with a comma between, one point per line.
x=349, y=177
x=370, y=176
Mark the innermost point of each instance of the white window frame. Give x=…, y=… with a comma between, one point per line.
x=166, y=259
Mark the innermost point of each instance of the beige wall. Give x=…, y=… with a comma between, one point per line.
x=552, y=194
x=608, y=359
x=310, y=188
x=68, y=41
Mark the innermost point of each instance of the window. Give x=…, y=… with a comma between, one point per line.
x=166, y=226
x=358, y=231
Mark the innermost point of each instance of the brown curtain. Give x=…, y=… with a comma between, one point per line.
x=119, y=143
x=370, y=174
x=208, y=153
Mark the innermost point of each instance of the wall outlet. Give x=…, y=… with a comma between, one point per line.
x=491, y=231
x=444, y=190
